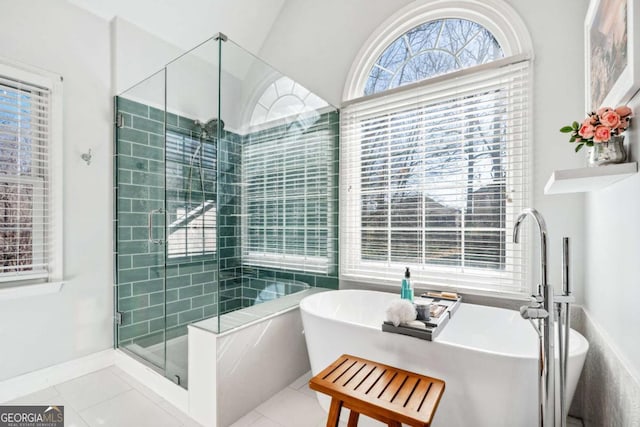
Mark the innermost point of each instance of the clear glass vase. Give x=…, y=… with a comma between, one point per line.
x=606, y=153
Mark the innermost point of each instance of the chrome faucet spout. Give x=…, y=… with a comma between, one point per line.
x=542, y=228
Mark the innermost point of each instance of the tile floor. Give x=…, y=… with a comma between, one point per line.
x=112, y=398
x=109, y=398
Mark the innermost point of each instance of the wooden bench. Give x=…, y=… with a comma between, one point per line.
x=390, y=395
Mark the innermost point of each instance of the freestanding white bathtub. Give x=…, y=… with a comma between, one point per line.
x=487, y=356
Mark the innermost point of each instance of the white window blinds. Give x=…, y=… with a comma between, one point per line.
x=25, y=220
x=432, y=176
x=286, y=171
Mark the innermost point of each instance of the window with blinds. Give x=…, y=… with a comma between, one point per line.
x=433, y=174
x=190, y=189
x=26, y=235
x=286, y=170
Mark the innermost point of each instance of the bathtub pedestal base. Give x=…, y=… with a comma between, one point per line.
x=382, y=392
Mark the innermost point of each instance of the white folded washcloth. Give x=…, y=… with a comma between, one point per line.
x=401, y=311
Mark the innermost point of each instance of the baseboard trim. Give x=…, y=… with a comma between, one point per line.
x=22, y=385
x=170, y=391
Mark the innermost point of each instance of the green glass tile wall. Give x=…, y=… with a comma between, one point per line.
x=229, y=197
x=191, y=282
x=193, y=291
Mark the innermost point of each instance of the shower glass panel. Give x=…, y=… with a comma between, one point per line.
x=226, y=178
x=277, y=189
x=140, y=220
x=191, y=198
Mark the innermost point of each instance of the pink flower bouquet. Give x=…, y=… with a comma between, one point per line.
x=599, y=126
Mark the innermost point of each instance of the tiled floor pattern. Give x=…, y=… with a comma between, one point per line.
x=109, y=398
x=112, y=398
x=294, y=406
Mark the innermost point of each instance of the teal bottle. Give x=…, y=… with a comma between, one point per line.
x=406, y=291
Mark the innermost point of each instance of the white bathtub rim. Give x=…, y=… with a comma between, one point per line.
x=577, y=350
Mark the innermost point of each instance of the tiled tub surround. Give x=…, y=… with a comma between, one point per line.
x=607, y=393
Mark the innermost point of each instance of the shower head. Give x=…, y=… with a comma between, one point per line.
x=214, y=123
x=209, y=127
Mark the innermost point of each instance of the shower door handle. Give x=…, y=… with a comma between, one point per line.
x=150, y=216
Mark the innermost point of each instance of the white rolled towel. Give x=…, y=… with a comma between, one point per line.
x=401, y=311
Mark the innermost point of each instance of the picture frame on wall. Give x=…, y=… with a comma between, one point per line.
x=612, y=52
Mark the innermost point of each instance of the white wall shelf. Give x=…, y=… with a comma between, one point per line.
x=588, y=179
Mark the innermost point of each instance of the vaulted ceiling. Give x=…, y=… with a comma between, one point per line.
x=312, y=41
x=187, y=23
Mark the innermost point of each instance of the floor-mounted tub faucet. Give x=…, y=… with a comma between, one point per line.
x=541, y=309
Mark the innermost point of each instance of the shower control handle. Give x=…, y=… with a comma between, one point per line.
x=150, y=222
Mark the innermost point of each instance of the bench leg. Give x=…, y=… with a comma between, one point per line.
x=353, y=419
x=394, y=424
x=334, y=413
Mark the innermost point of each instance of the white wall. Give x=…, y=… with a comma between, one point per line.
x=137, y=54
x=612, y=262
x=191, y=77
x=41, y=331
x=303, y=46
x=558, y=100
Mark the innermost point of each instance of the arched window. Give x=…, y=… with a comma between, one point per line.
x=431, y=49
x=285, y=98
x=434, y=149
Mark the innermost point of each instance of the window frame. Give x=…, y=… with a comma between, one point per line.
x=53, y=231
x=511, y=33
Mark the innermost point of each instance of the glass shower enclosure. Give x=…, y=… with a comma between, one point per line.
x=226, y=193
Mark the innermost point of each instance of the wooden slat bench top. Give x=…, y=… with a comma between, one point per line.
x=388, y=394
